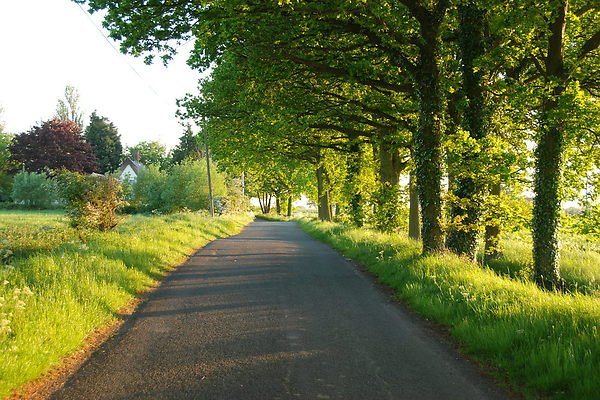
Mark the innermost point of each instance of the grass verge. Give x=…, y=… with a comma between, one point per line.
x=541, y=343
x=56, y=290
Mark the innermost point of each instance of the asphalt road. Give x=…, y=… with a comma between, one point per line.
x=273, y=314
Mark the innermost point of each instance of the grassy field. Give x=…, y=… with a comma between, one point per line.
x=542, y=344
x=580, y=261
x=55, y=289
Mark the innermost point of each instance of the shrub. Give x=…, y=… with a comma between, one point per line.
x=92, y=202
x=183, y=187
x=33, y=190
x=148, y=189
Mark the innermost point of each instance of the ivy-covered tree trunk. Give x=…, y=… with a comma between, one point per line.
x=465, y=210
x=323, y=194
x=289, y=206
x=387, y=218
x=278, y=205
x=492, y=231
x=414, y=226
x=427, y=139
x=357, y=212
x=548, y=161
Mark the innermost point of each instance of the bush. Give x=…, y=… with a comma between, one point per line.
x=92, y=202
x=148, y=189
x=33, y=190
x=184, y=187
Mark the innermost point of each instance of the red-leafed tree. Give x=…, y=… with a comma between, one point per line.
x=55, y=145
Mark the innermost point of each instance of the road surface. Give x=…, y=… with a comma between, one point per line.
x=273, y=314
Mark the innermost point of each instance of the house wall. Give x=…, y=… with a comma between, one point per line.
x=128, y=174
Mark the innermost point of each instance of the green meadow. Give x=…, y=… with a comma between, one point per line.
x=56, y=289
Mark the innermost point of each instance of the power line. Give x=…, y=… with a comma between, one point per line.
x=117, y=50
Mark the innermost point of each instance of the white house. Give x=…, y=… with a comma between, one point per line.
x=129, y=170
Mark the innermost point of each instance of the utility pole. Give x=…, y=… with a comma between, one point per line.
x=210, y=193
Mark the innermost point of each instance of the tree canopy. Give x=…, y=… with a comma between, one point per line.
x=105, y=140
x=52, y=146
x=444, y=91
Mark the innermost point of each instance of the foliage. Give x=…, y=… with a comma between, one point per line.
x=189, y=146
x=150, y=153
x=105, y=140
x=183, y=186
x=235, y=201
x=291, y=80
x=388, y=215
x=544, y=343
x=91, y=202
x=34, y=190
x=52, y=146
x=148, y=189
x=186, y=186
x=104, y=275
x=68, y=109
x=6, y=166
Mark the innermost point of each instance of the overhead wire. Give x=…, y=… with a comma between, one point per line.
x=111, y=44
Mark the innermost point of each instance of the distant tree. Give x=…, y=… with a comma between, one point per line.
x=55, y=145
x=33, y=190
x=150, y=152
x=6, y=166
x=68, y=109
x=1, y=122
x=190, y=146
x=105, y=140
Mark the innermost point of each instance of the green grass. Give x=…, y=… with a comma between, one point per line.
x=580, y=261
x=542, y=344
x=56, y=290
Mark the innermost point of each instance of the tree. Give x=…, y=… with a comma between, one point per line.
x=150, y=153
x=5, y=163
x=1, y=121
x=6, y=166
x=52, y=146
x=68, y=109
x=33, y=190
x=189, y=147
x=105, y=140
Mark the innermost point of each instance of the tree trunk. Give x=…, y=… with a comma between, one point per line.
x=387, y=218
x=390, y=165
x=548, y=163
x=323, y=194
x=289, y=206
x=427, y=139
x=414, y=229
x=465, y=212
x=278, y=205
x=357, y=211
x=260, y=203
x=492, y=232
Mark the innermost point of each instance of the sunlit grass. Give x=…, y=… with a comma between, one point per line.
x=579, y=259
x=542, y=343
x=55, y=290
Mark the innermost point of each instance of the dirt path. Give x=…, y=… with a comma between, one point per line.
x=274, y=314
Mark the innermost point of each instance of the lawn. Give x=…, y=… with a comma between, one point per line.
x=542, y=344
x=56, y=289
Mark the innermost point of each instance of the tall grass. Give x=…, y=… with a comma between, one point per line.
x=542, y=343
x=580, y=261
x=55, y=290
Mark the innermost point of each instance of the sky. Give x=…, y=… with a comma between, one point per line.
x=48, y=44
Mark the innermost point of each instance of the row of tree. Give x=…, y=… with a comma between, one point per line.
x=454, y=91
